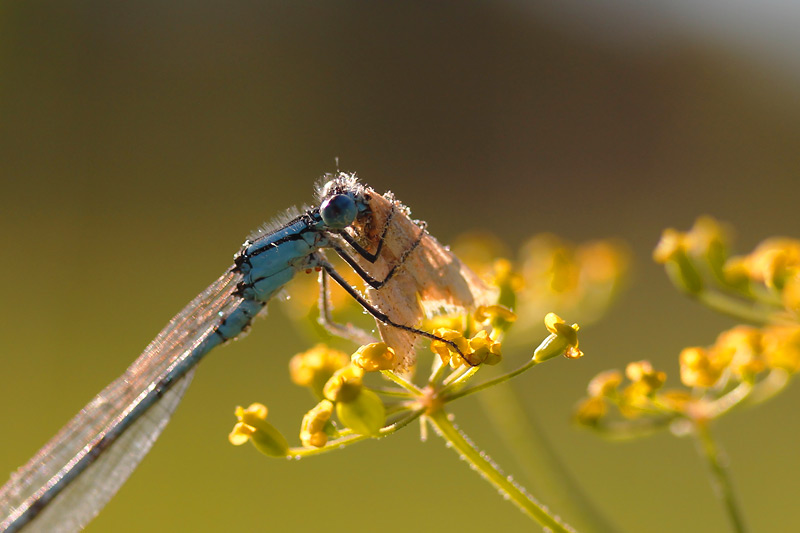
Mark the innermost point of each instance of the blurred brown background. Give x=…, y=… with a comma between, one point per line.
x=140, y=143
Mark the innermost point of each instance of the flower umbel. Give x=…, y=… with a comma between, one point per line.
x=369, y=395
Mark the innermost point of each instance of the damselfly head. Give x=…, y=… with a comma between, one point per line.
x=338, y=211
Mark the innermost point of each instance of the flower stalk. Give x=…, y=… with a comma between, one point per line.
x=445, y=428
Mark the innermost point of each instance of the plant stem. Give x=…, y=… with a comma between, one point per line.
x=720, y=478
x=740, y=310
x=351, y=438
x=490, y=472
x=545, y=471
x=491, y=383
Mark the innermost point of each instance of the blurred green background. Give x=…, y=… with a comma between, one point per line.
x=140, y=142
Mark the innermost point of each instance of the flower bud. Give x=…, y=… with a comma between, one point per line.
x=253, y=426
x=365, y=415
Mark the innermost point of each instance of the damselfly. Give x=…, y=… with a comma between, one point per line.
x=407, y=272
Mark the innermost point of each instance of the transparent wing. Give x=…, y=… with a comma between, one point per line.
x=94, y=431
x=82, y=499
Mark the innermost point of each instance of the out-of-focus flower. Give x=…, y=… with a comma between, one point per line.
x=314, y=367
x=698, y=369
x=591, y=410
x=774, y=261
x=605, y=383
x=782, y=347
x=740, y=349
x=672, y=251
x=579, y=280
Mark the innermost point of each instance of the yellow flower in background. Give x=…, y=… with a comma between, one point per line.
x=740, y=349
x=636, y=399
x=551, y=274
x=644, y=373
x=698, y=369
x=707, y=238
x=579, y=280
x=671, y=245
x=782, y=348
x=591, y=410
x=774, y=261
x=605, y=383
x=314, y=367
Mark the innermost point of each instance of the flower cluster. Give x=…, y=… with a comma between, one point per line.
x=551, y=274
x=745, y=364
x=768, y=278
x=352, y=403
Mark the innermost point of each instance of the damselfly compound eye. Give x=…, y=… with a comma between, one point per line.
x=338, y=211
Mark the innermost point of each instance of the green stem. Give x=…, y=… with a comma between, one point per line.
x=720, y=478
x=546, y=473
x=737, y=309
x=351, y=438
x=490, y=472
x=407, y=385
x=491, y=383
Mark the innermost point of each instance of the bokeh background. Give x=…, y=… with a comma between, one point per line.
x=140, y=142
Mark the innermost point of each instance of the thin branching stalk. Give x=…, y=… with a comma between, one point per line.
x=491, y=473
x=720, y=478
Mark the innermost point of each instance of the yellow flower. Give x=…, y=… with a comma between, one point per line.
x=498, y=317
x=344, y=385
x=605, y=383
x=643, y=372
x=504, y=275
x=697, y=368
x=602, y=262
x=739, y=349
x=314, y=367
x=636, y=398
x=707, y=239
x=735, y=272
x=479, y=250
x=312, y=429
x=791, y=293
x=671, y=245
x=782, y=347
x=445, y=351
x=374, y=357
x=564, y=339
x=774, y=261
x=481, y=348
x=252, y=426
x=591, y=410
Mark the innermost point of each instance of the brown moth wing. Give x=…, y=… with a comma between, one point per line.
x=429, y=278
